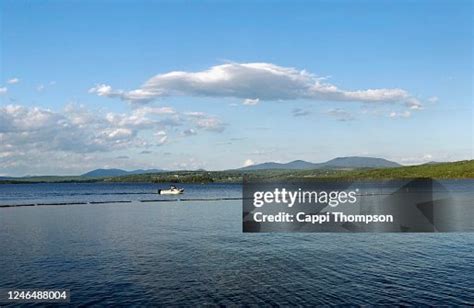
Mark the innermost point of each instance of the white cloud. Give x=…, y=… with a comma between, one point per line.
x=251, y=102
x=252, y=81
x=161, y=136
x=405, y=114
x=40, y=88
x=154, y=110
x=211, y=124
x=248, y=162
x=143, y=117
x=413, y=104
x=118, y=133
x=416, y=160
x=102, y=90
x=3, y=90
x=206, y=122
x=78, y=138
x=74, y=130
x=79, y=115
x=427, y=157
x=195, y=114
x=13, y=80
x=135, y=96
x=14, y=118
x=34, y=130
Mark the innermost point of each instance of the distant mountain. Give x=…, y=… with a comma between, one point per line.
x=352, y=162
x=117, y=172
x=294, y=165
x=360, y=162
x=105, y=172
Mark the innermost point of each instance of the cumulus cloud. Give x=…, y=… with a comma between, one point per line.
x=417, y=159
x=251, y=102
x=3, y=90
x=210, y=124
x=15, y=118
x=135, y=96
x=30, y=133
x=161, y=137
x=13, y=80
x=253, y=82
x=74, y=130
x=155, y=111
x=144, y=117
x=413, y=104
x=404, y=114
x=427, y=157
x=248, y=162
x=118, y=133
x=206, y=122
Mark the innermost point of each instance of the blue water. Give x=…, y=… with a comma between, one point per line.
x=194, y=253
x=17, y=194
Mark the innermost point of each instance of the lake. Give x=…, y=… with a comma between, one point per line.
x=194, y=252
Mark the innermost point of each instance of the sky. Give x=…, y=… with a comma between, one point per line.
x=224, y=84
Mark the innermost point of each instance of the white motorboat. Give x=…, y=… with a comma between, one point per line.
x=173, y=190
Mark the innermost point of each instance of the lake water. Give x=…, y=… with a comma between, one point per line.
x=194, y=252
x=18, y=194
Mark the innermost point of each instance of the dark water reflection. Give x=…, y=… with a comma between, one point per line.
x=195, y=253
x=189, y=253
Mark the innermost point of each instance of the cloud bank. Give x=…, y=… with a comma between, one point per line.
x=29, y=135
x=253, y=82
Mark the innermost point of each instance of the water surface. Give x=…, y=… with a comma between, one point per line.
x=189, y=253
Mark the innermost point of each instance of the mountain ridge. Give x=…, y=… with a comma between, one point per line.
x=348, y=162
x=102, y=172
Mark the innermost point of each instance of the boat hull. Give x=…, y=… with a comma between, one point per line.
x=170, y=191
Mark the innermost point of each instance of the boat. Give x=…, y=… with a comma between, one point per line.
x=173, y=190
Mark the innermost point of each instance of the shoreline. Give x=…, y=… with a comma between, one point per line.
x=442, y=171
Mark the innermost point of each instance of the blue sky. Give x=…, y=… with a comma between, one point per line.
x=87, y=84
